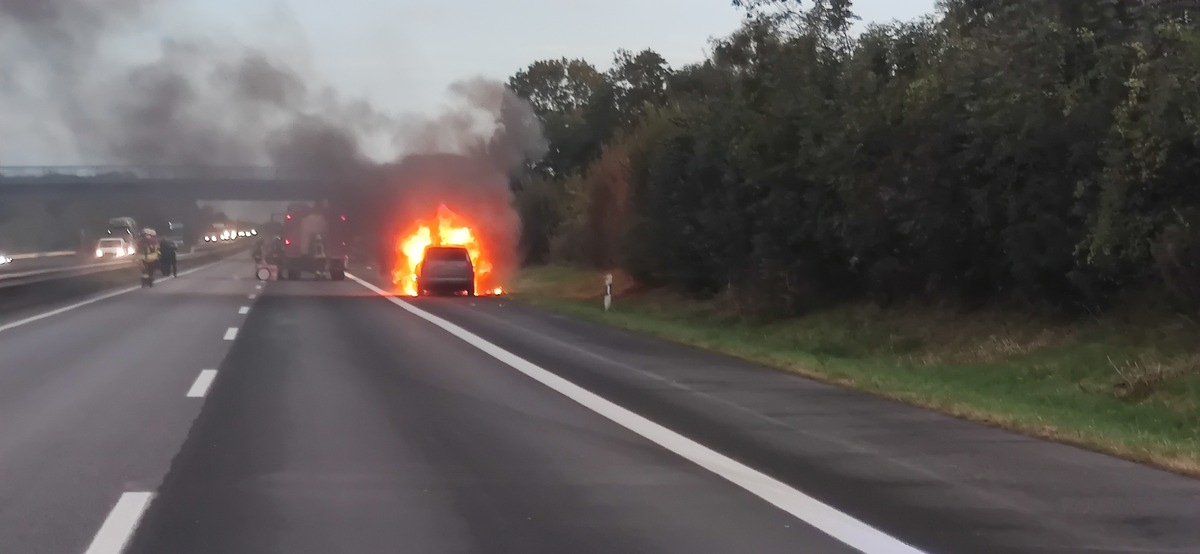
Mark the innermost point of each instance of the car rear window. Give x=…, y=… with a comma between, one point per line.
x=447, y=255
x=111, y=242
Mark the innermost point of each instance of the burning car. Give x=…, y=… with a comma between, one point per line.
x=459, y=251
x=445, y=269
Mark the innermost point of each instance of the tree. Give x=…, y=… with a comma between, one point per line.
x=640, y=82
x=1000, y=151
x=563, y=92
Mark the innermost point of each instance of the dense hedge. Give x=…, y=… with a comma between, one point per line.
x=1038, y=151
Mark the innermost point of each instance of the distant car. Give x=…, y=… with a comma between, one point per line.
x=113, y=247
x=4, y=259
x=446, y=270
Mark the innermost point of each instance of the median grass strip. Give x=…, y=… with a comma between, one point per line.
x=1126, y=384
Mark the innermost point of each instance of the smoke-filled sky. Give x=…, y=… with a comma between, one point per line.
x=400, y=56
x=315, y=84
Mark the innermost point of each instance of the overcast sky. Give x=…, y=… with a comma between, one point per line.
x=399, y=55
x=402, y=54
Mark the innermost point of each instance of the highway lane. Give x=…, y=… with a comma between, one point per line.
x=941, y=483
x=92, y=401
x=341, y=422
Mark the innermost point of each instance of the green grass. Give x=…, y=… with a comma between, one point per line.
x=1126, y=385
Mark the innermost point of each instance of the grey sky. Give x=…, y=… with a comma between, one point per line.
x=402, y=54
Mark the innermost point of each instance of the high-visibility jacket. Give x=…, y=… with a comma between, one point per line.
x=148, y=252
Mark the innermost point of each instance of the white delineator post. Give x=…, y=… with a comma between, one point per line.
x=607, y=291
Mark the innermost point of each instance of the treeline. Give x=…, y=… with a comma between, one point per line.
x=1038, y=151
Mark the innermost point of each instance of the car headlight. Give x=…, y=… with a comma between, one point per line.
x=99, y=253
x=129, y=251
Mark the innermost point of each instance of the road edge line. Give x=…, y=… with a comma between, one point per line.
x=823, y=517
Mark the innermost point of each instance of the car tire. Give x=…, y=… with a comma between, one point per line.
x=471, y=291
x=338, y=275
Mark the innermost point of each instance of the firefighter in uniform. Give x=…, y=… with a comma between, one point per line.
x=169, y=255
x=148, y=255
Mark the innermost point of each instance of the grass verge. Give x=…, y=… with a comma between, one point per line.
x=1128, y=385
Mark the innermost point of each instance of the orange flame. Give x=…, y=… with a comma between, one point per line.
x=448, y=230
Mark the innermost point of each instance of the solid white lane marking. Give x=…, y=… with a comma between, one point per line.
x=827, y=519
x=203, y=381
x=122, y=521
x=244, y=310
x=231, y=333
x=90, y=301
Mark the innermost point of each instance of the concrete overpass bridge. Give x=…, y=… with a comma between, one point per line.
x=175, y=182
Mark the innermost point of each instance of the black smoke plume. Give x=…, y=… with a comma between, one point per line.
x=202, y=103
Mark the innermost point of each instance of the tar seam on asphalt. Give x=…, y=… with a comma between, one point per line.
x=821, y=516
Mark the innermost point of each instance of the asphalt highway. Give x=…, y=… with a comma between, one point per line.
x=207, y=415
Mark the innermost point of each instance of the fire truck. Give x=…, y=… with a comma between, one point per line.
x=314, y=241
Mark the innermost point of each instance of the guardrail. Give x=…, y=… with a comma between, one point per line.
x=36, y=255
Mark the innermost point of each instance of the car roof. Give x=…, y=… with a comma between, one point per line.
x=431, y=248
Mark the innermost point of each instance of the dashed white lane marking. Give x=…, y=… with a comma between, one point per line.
x=827, y=519
x=89, y=301
x=203, y=381
x=253, y=296
x=231, y=333
x=244, y=310
x=122, y=521
x=259, y=287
